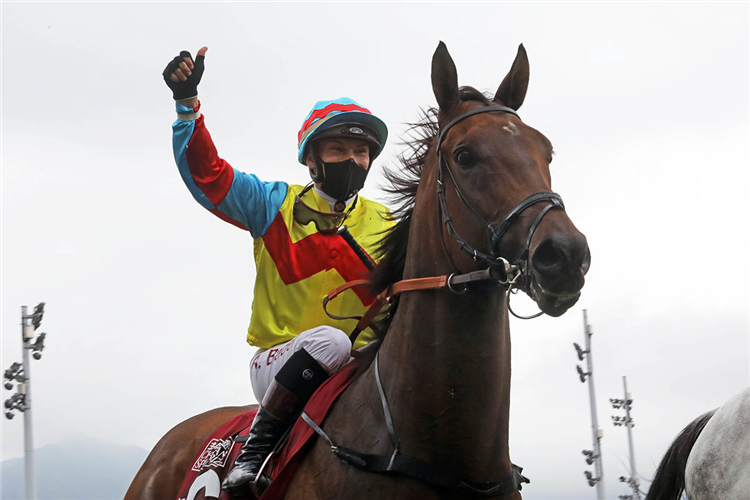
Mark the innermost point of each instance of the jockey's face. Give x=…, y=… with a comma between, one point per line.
x=335, y=149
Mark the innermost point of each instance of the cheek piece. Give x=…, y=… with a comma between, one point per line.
x=340, y=180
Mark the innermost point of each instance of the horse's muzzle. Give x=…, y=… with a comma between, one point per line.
x=558, y=266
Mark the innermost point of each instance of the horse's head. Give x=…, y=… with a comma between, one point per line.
x=497, y=191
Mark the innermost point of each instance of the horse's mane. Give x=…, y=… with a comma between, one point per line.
x=402, y=183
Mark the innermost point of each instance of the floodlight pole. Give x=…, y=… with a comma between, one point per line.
x=28, y=433
x=634, y=482
x=596, y=432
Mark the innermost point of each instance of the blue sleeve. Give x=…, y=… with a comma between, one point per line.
x=239, y=198
x=253, y=202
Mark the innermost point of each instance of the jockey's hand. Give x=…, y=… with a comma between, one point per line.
x=183, y=75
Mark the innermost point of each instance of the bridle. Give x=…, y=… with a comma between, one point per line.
x=500, y=270
x=509, y=272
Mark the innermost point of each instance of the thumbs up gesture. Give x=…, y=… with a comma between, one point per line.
x=183, y=75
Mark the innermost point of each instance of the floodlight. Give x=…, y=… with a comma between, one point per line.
x=581, y=373
x=8, y=415
x=580, y=351
x=8, y=403
x=36, y=319
x=37, y=355
x=38, y=344
x=8, y=385
x=591, y=479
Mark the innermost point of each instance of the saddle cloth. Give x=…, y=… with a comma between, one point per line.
x=219, y=451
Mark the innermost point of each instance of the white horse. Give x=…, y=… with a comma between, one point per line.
x=710, y=459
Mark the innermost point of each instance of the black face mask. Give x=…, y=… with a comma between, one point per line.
x=341, y=180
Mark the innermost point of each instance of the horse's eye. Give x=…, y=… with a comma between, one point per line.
x=464, y=158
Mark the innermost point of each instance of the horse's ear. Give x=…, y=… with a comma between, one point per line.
x=512, y=91
x=444, y=79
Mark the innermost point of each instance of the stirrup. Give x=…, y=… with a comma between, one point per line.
x=256, y=486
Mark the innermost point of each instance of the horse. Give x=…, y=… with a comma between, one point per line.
x=478, y=219
x=710, y=458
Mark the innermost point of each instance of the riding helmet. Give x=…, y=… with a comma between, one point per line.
x=342, y=117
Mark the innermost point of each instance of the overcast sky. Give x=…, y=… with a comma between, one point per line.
x=148, y=295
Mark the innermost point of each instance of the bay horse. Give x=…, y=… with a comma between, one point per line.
x=710, y=458
x=477, y=211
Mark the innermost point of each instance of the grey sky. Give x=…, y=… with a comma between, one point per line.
x=149, y=295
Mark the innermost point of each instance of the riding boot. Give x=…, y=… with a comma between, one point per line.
x=282, y=404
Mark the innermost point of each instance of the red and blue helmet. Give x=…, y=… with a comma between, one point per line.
x=342, y=117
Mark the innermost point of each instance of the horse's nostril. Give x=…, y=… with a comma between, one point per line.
x=548, y=256
x=562, y=254
x=586, y=261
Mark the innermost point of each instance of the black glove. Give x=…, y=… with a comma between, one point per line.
x=188, y=88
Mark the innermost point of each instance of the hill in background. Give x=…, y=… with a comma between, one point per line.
x=77, y=468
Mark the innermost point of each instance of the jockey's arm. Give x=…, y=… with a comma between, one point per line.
x=234, y=196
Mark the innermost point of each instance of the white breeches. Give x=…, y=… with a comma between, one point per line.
x=328, y=345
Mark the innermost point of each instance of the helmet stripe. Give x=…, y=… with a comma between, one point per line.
x=331, y=109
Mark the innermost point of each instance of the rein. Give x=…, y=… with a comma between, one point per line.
x=505, y=276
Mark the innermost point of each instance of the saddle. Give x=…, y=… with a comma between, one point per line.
x=218, y=453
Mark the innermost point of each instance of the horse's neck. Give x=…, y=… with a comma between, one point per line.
x=445, y=366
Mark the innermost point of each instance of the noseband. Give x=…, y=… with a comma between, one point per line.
x=495, y=232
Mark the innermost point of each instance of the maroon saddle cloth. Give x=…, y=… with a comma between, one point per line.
x=217, y=455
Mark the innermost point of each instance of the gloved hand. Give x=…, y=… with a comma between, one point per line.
x=183, y=75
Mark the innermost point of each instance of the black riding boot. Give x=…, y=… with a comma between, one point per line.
x=282, y=404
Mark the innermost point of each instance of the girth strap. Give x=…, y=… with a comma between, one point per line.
x=421, y=470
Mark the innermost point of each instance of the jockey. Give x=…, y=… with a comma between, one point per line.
x=298, y=255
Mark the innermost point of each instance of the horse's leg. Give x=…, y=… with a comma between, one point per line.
x=669, y=481
x=161, y=475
